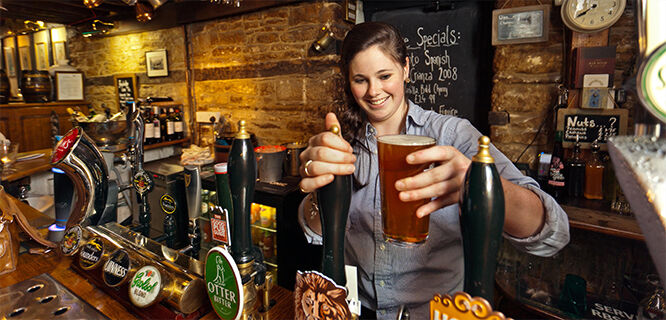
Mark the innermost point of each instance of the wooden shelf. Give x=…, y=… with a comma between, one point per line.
x=166, y=143
x=596, y=216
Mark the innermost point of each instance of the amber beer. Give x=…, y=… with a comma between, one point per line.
x=401, y=226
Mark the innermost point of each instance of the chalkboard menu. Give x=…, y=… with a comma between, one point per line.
x=126, y=89
x=449, y=53
x=588, y=125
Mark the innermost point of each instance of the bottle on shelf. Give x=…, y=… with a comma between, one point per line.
x=170, y=125
x=594, y=174
x=148, y=130
x=163, y=124
x=157, y=129
x=575, y=172
x=556, y=180
x=179, y=125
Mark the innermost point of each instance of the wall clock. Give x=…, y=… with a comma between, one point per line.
x=589, y=16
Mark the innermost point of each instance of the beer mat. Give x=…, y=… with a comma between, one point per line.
x=30, y=156
x=43, y=297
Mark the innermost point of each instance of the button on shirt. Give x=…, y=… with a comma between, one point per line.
x=390, y=275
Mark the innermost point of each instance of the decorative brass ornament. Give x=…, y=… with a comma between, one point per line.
x=462, y=306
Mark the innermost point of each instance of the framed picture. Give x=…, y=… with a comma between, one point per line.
x=350, y=11
x=42, y=56
x=9, y=61
x=520, y=25
x=156, y=63
x=24, y=58
x=69, y=85
x=59, y=52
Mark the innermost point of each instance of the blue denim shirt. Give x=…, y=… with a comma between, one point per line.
x=389, y=275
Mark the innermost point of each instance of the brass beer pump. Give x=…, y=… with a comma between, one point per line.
x=481, y=222
x=242, y=178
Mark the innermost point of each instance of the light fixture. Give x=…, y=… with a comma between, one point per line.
x=144, y=13
x=33, y=25
x=157, y=3
x=324, y=41
x=92, y=3
x=129, y=2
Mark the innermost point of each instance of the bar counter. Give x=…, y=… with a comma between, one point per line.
x=58, y=267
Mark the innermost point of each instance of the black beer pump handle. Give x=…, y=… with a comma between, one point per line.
x=334, y=200
x=481, y=222
x=242, y=178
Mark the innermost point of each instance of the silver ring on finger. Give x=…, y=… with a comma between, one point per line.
x=305, y=168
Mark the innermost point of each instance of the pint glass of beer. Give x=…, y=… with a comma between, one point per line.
x=401, y=226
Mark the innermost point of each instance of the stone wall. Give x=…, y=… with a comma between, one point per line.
x=526, y=77
x=257, y=66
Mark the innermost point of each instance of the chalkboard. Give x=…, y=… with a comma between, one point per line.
x=126, y=89
x=589, y=125
x=449, y=53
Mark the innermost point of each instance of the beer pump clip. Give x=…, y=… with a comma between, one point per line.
x=333, y=203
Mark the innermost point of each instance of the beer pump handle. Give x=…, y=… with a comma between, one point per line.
x=334, y=200
x=481, y=222
x=242, y=178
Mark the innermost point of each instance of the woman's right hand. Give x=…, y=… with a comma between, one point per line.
x=327, y=155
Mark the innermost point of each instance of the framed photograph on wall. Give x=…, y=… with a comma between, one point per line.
x=156, y=63
x=59, y=52
x=520, y=25
x=42, y=56
x=69, y=85
x=24, y=58
x=10, y=62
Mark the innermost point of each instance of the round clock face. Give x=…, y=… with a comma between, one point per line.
x=591, y=15
x=652, y=83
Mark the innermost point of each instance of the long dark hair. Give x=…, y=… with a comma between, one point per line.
x=360, y=37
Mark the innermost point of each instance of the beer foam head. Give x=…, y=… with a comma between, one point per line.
x=406, y=140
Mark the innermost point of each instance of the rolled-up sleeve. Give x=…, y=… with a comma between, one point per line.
x=555, y=232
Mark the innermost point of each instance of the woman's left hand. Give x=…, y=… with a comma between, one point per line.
x=443, y=182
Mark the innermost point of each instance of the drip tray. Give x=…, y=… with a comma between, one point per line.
x=42, y=297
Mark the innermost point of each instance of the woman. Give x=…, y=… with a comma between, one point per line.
x=375, y=68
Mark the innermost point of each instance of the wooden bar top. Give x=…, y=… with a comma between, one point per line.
x=26, y=168
x=58, y=267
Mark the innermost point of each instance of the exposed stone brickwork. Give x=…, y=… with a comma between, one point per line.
x=259, y=67
x=526, y=79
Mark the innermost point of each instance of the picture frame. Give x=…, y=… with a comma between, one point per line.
x=69, y=85
x=59, y=51
x=157, y=64
x=10, y=62
x=24, y=58
x=526, y=24
x=41, y=56
x=350, y=11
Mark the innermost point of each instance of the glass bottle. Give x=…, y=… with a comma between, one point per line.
x=170, y=125
x=556, y=180
x=594, y=175
x=179, y=127
x=157, y=130
x=148, y=130
x=163, y=124
x=574, y=173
